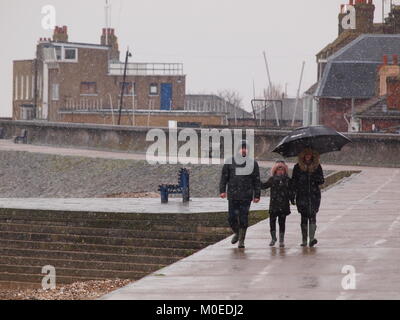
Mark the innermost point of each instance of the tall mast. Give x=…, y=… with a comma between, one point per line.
x=107, y=10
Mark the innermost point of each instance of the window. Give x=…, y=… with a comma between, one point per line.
x=21, y=92
x=16, y=88
x=129, y=88
x=63, y=54
x=70, y=54
x=55, y=92
x=58, y=53
x=153, y=89
x=88, y=88
x=27, y=88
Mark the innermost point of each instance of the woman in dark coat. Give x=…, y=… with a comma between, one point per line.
x=281, y=196
x=307, y=179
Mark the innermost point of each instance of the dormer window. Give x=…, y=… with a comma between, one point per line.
x=66, y=54
x=70, y=54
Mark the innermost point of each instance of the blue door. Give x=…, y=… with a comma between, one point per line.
x=166, y=96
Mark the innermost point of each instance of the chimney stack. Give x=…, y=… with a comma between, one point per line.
x=60, y=34
x=365, y=10
x=108, y=38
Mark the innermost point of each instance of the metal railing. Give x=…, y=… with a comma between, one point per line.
x=146, y=69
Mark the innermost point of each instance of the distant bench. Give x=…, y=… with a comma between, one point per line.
x=23, y=137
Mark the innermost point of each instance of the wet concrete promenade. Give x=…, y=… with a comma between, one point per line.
x=125, y=205
x=358, y=229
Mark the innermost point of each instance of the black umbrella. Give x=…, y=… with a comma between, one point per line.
x=319, y=138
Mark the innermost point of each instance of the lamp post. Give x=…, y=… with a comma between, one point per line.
x=128, y=54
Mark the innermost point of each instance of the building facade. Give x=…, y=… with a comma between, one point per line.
x=80, y=82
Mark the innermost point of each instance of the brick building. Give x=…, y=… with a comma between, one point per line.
x=348, y=70
x=82, y=82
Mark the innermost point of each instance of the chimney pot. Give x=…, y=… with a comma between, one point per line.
x=395, y=59
x=385, y=60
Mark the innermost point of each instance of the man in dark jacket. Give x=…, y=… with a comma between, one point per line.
x=242, y=189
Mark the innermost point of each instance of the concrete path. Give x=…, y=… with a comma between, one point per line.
x=126, y=205
x=9, y=145
x=359, y=227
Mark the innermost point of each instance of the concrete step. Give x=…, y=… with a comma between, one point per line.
x=87, y=256
x=96, y=248
x=37, y=278
x=107, y=232
x=92, y=246
x=82, y=215
x=72, y=272
x=191, y=227
x=15, y=285
x=156, y=243
x=79, y=264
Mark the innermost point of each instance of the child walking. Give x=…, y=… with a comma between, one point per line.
x=281, y=195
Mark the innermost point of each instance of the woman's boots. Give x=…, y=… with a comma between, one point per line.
x=281, y=240
x=274, y=239
x=304, y=232
x=313, y=241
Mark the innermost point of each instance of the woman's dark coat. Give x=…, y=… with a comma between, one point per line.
x=281, y=195
x=307, y=181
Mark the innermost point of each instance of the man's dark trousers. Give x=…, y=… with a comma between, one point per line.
x=239, y=214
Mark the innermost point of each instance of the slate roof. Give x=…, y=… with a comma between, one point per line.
x=352, y=71
x=376, y=108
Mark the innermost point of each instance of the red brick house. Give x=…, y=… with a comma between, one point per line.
x=348, y=69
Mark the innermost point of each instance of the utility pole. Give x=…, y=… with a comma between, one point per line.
x=298, y=93
x=383, y=11
x=128, y=54
x=270, y=88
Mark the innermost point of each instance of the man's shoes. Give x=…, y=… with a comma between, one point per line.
x=235, y=238
x=242, y=236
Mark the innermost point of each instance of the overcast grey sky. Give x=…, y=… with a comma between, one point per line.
x=220, y=42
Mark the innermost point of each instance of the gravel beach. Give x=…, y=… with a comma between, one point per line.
x=34, y=175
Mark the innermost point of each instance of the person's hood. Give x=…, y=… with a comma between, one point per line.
x=277, y=165
x=314, y=164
